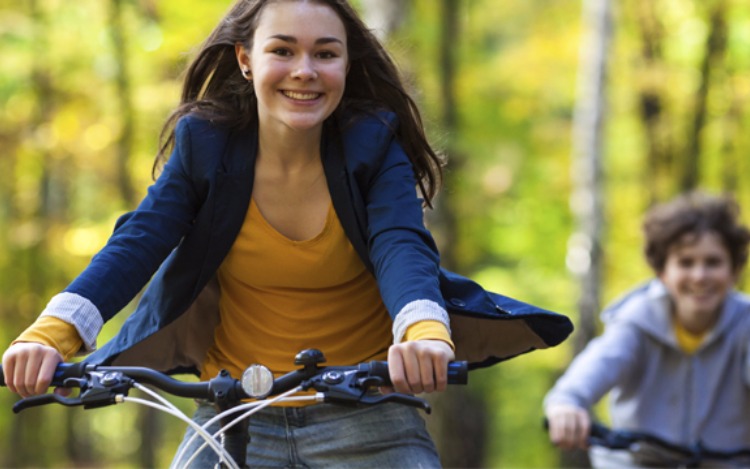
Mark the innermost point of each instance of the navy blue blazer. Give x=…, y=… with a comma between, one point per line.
x=180, y=233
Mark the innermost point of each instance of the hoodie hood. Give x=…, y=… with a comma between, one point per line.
x=647, y=308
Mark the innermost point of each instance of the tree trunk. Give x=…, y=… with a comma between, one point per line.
x=585, y=254
x=149, y=420
x=731, y=167
x=651, y=99
x=384, y=16
x=31, y=272
x=125, y=141
x=715, y=48
x=460, y=421
x=585, y=251
x=150, y=429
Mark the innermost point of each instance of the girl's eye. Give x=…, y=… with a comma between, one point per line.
x=327, y=55
x=281, y=51
x=685, y=262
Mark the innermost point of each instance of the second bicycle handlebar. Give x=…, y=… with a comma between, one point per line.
x=663, y=453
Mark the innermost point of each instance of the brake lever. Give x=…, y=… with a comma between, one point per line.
x=351, y=388
x=97, y=390
x=44, y=399
x=398, y=398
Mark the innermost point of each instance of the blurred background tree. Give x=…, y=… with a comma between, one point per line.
x=86, y=85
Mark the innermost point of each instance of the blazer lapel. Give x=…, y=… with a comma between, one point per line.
x=349, y=206
x=233, y=190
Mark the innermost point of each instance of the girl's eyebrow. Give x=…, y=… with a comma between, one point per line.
x=292, y=39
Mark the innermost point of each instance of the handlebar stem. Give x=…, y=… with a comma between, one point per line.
x=225, y=391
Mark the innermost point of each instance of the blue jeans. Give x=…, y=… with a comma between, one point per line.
x=325, y=435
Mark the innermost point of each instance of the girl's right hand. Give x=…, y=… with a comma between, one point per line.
x=29, y=367
x=569, y=426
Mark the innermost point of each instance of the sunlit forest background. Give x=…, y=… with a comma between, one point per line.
x=85, y=86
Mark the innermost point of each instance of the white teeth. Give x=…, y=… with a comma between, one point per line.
x=301, y=96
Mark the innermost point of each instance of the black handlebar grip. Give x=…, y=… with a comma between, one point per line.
x=68, y=370
x=458, y=371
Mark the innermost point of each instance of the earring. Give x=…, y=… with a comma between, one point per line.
x=245, y=72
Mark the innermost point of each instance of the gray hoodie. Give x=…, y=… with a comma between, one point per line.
x=655, y=387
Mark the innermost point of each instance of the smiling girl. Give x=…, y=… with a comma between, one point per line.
x=676, y=351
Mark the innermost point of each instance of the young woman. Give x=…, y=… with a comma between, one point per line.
x=287, y=217
x=676, y=351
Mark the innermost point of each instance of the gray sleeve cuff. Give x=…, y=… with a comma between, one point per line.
x=80, y=312
x=416, y=311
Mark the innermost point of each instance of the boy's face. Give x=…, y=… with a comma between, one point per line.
x=698, y=274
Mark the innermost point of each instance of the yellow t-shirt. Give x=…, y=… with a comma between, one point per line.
x=686, y=340
x=280, y=296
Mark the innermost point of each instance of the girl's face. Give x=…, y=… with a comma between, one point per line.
x=698, y=274
x=298, y=64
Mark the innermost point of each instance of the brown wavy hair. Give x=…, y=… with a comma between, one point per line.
x=695, y=213
x=214, y=88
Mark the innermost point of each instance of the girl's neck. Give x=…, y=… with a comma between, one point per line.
x=289, y=148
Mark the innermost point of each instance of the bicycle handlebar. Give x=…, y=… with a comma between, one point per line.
x=684, y=456
x=601, y=435
x=101, y=385
x=67, y=373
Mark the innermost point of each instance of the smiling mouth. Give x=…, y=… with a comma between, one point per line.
x=702, y=295
x=301, y=96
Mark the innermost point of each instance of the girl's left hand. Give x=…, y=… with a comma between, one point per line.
x=419, y=366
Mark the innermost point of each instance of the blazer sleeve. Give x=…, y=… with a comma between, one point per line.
x=403, y=252
x=143, y=238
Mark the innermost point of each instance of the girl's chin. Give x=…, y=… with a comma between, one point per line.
x=304, y=125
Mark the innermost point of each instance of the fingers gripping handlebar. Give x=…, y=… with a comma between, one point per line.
x=458, y=372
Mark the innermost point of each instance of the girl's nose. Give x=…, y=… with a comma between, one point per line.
x=305, y=69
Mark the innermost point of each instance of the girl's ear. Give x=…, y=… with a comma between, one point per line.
x=243, y=59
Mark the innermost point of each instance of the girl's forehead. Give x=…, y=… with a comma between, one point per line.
x=293, y=18
x=297, y=10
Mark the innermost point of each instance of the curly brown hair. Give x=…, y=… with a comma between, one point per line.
x=695, y=213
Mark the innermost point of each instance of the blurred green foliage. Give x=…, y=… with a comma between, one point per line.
x=63, y=115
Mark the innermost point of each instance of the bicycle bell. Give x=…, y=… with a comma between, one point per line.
x=257, y=381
